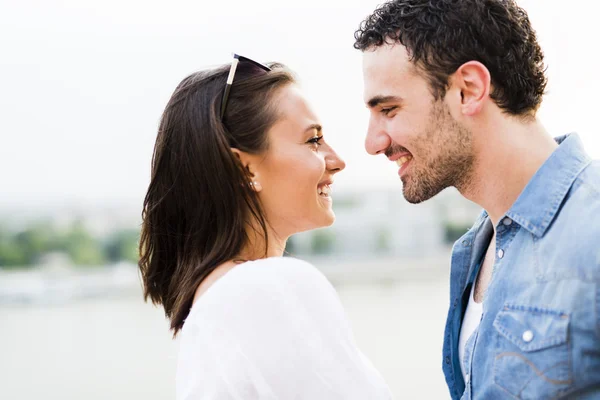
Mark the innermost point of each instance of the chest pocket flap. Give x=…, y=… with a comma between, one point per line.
x=532, y=328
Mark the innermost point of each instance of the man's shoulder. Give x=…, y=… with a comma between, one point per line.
x=589, y=179
x=581, y=208
x=573, y=239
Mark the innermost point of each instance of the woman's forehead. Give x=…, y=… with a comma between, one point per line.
x=295, y=112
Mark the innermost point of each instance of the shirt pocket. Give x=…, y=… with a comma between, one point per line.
x=533, y=359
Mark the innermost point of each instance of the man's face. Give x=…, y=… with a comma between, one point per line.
x=411, y=128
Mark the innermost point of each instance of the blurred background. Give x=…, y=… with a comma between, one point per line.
x=82, y=87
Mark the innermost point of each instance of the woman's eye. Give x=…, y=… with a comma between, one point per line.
x=315, y=140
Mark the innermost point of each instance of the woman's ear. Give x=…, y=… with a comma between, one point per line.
x=248, y=163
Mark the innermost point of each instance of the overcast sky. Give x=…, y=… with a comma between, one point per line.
x=83, y=83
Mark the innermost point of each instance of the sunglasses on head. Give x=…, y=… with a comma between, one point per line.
x=243, y=64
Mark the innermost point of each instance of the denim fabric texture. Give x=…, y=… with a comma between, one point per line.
x=539, y=335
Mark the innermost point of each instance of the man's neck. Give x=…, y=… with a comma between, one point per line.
x=508, y=153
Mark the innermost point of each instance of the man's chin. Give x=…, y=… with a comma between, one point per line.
x=413, y=199
x=416, y=195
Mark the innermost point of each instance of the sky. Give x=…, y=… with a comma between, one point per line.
x=83, y=83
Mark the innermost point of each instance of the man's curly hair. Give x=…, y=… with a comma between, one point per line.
x=441, y=35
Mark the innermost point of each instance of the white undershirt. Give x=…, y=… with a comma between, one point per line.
x=273, y=329
x=470, y=323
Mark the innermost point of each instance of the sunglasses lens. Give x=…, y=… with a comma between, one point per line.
x=247, y=69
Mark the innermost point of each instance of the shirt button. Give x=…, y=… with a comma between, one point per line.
x=467, y=378
x=447, y=360
x=500, y=253
x=527, y=336
x=507, y=221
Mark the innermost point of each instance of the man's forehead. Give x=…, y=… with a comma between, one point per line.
x=385, y=70
x=387, y=57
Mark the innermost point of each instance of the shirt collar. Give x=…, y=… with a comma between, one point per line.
x=539, y=203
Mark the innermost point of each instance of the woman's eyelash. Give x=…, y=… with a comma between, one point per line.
x=316, y=139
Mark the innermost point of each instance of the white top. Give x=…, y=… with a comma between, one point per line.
x=470, y=323
x=272, y=329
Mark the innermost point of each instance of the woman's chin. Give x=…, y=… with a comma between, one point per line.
x=325, y=219
x=328, y=219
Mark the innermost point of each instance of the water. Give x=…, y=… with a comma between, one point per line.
x=120, y=348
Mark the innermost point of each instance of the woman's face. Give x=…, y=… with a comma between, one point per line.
x=293, y=177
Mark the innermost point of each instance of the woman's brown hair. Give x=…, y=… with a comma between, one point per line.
x=199, y=202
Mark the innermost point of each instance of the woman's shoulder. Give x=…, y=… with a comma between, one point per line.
x=271, y=282
x=272, y=270
x=256, y=318
x=279, y=268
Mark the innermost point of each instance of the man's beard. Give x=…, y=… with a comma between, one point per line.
x=443, y=155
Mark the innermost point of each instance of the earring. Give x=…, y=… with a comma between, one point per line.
x=255, y=186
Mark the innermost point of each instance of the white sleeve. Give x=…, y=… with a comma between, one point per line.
x=277, y=331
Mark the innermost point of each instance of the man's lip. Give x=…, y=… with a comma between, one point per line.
x=325, y=183
x=403, y=168
x=396, y=156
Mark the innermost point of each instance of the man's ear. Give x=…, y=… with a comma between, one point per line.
x=249, y=164
x=473, y=81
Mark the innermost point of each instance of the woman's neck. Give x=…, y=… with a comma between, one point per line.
x=259, y=246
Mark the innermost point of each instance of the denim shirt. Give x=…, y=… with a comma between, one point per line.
x=539, y=335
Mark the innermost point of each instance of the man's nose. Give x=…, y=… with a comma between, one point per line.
x=377, y=140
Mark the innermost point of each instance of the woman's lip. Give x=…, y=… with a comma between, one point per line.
x=326, y=199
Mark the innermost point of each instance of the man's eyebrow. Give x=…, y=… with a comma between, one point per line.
x=314, y=126
x=374, y=101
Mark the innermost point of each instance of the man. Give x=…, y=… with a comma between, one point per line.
x=453, y=88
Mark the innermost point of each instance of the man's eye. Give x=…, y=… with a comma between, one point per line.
x=386, y=111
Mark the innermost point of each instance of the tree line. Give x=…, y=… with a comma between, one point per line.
x=27, y=247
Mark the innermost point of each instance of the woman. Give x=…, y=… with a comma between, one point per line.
x=240, y=164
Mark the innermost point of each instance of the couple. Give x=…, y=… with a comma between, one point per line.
x=241, y=164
